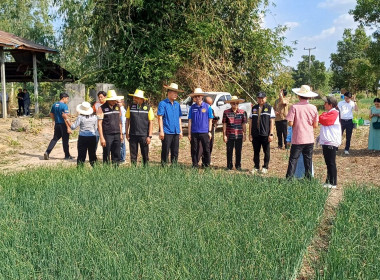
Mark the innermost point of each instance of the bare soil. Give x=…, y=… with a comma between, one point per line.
x=25, y=149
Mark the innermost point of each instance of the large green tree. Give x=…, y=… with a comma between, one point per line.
x=218, y=45
x=315, y=77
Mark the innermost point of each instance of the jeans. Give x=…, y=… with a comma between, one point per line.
x=122, y=150
x=170, y=144
x=347, y=125
x=329, y=153
x=60, y=131
x=257, y=143
x=231, y=144
x=295, y=152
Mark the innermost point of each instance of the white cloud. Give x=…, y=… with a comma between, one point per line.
x=337, y=4
x=326, y=33
x=291, y=24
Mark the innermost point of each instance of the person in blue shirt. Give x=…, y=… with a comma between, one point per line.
x=170, y=125
x=59, y=114
x=200, y=127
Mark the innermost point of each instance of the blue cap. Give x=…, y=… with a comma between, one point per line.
x=261, y=94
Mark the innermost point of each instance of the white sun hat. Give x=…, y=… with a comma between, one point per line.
x=85, y=108
x=173, y=87
x=197, y=92
x=304, y=91
x=234, y=99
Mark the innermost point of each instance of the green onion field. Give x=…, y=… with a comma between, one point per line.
x=154, y=223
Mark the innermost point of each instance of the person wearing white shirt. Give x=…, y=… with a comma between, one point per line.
x=346, y=108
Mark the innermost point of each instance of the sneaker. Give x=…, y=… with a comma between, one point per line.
x=69, y=157
x=254, y=171
x=328, y=186
x=46, y=156
x=239, y=169
x=346, y=152
x=264, y=171
x=228, y=169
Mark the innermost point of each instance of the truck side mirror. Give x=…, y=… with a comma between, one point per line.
x=220, y=103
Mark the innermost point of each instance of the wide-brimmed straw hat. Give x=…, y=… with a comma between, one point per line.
x=304, y=91
x=173, y=87
x=234, y=99
x=197, y=92
x=85, y=108
x=139, y=94
x=111, y=95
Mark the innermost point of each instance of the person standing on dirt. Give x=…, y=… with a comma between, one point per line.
x=234, y=131
x=200, y=127
x=330, y=138
x=109, y=126
x=261, y=125
x=303, y=118
x=346, y=108
x=281, y=107
x=59, y=113
x=20, y=100
x=170, y=124
x=209, y=101
x=139, y=127
x=101, y=100
x=26, y=102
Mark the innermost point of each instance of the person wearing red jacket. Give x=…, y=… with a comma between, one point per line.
x=330, y=138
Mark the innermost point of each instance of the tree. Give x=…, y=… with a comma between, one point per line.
x=361, y=74
x=316, y=77
x=352, y=51
x=218, y=45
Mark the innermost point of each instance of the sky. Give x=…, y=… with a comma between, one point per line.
x=312, y=23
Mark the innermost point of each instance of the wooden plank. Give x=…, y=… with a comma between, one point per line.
x=3, y=85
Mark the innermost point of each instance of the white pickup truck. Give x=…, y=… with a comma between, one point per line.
x=218, y=105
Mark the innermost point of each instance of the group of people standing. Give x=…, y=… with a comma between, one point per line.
x=23, y=99
x=111, y=124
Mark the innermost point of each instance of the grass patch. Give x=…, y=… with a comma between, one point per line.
x=355, y=242
x=154, y=223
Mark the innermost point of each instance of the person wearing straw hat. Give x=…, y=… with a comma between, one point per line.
x=234, y=131
x=281, y=108
x=303, y=118
x=170, y=125
x=200, y=127
x=88, y=124
x=109, y=127
x=261, y=124
x=59, y=113
x=139, y=126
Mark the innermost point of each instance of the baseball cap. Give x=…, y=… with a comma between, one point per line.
x=261, y=94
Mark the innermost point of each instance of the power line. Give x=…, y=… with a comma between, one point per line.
x=309, y=49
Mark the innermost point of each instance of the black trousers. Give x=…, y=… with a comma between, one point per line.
x=196, y=140
x=295, y=152
x=112, y=148
x=20, y=110
x=347, y=125
x=282, y=131
x=231, y=144
x=86, y=144
x=60, y=131
x=257, y=143
x=329, y=153
x=170, y=144
x=200, y=150
x=134, y=143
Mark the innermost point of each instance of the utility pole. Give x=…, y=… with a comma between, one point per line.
x=309, y=49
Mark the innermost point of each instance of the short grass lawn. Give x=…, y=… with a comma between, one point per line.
x=154, y=223
x=354, y=251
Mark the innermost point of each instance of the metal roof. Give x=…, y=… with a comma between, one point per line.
x=12, y=41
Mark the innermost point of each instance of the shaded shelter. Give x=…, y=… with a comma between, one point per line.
x=28, y=57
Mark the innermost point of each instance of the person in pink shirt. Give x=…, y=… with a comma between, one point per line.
x=303, y=118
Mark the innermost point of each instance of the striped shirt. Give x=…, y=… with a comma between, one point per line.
x=234, y=121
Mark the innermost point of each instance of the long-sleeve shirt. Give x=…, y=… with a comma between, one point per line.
x=87, y=125
x=330, y=133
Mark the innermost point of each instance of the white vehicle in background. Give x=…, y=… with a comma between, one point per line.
x=218, y=105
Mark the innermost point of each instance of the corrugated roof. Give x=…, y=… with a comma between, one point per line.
x=12, y=41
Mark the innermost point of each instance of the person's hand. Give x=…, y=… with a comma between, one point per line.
x=244, y=137
x=250, y=138
x=69, y=130
x=148, y=140
x=180, y=135
x=225, y=139
x=127, y=136
x=162, y=135
x=270, y=138
x=102, y=141
x=121, y=138
x=189, y=137
x=210, y=135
